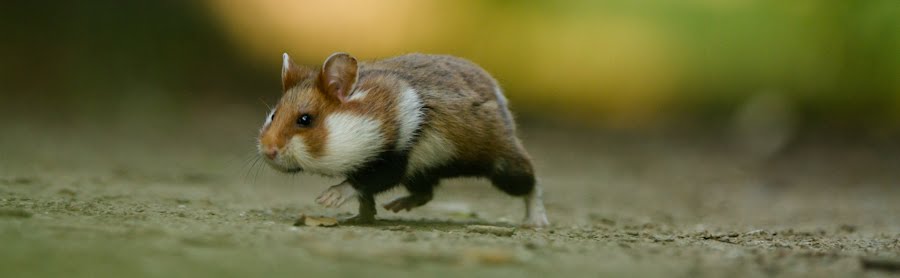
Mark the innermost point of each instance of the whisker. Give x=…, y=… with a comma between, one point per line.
x=264, y=103
x=249, y=158
x=250, y=170
x=256, y=177
x=252, y=158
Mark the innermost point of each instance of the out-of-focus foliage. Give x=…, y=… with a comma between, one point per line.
x=630, y=64
x=102, y=60
x=623, y=62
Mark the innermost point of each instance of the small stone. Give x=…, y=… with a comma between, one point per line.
x=493, y=230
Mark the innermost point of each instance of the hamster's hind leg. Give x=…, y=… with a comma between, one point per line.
x=421, y=191
x=514, y=175
x=367, y=211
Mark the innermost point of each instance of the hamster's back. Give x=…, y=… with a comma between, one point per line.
x=441, y=78
x=465, y=109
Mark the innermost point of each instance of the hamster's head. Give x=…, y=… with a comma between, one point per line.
x=316, y=126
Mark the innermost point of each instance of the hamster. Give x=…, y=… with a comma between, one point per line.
x=410, y=120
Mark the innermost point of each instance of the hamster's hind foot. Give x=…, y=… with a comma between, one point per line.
x=408, y=202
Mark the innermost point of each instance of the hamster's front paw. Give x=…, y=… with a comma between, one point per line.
x=336, y=195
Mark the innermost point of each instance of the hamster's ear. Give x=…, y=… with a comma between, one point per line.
x=338, y=75
x=291, y=73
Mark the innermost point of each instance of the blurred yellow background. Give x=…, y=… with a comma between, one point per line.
x=624, y=63
x=614, y=64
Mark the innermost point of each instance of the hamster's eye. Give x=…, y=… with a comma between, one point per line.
x=304, y=120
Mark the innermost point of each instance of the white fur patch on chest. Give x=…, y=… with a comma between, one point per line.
x=352, y=141
x=409, y=117
x=432, y=150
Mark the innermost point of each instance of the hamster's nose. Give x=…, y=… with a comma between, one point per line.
x=271, y=153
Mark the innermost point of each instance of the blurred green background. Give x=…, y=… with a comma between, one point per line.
x=756, y=66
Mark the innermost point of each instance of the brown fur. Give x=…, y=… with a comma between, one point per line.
x=461, y=104
x=295, y=102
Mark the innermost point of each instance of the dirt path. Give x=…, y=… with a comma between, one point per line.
x=98, y=206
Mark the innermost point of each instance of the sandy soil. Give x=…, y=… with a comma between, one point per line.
x=78, y=205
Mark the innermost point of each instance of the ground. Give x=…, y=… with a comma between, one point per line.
x=80, y=202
